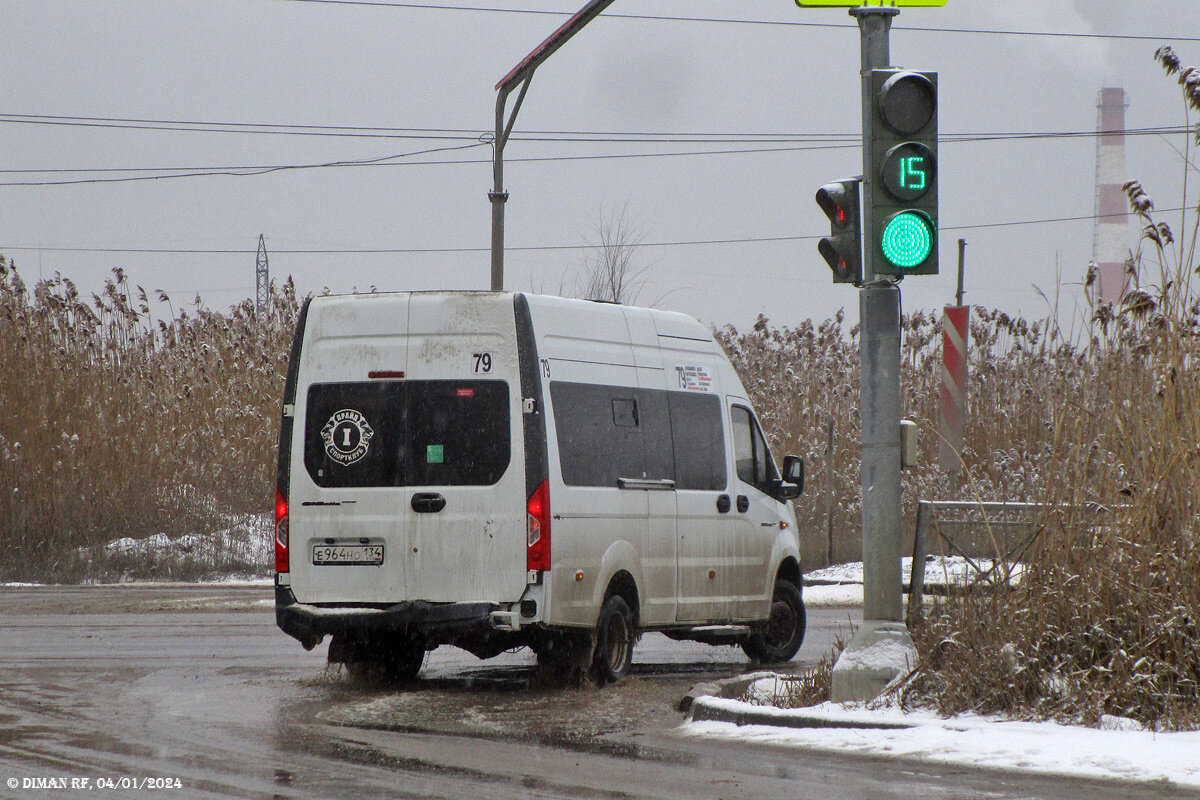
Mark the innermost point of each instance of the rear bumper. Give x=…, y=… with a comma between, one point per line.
x=430, y=621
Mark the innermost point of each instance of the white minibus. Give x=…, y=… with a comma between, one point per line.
x=493, y=470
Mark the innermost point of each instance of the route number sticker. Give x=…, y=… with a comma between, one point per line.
x=694, y=378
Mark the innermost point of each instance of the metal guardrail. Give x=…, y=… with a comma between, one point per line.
x=993, y=517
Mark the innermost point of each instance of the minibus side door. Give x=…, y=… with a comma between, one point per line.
x=756, y=514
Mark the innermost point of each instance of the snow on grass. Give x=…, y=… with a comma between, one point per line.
x=1120, y=749
x=940, y=571
x=841, y=584
x=244, y=538
x=239, y=549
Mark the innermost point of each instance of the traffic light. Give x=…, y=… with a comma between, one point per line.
x=902, y=159
x=842, y=248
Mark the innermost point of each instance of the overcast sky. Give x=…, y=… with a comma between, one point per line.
x=300, y=63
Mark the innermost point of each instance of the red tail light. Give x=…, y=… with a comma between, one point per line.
x=538, y=528
x=281, y=532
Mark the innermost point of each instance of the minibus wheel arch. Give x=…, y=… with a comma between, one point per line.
x=624, y=586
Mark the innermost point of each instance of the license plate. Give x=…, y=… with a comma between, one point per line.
x=350, y=555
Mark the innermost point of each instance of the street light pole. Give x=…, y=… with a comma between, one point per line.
x=521, y=75
x=498, y=196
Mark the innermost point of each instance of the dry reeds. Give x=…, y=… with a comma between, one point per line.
x=1107, y=618
x=804, y=379
x=113, y=425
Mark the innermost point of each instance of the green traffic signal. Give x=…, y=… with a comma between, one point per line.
x=908, y=239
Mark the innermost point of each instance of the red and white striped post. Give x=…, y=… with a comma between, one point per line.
x=954, y=388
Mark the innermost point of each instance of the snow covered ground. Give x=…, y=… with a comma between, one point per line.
x=238, y=548
x=245, y=539
x=841, y=584
x=940, y=571
x=1121, y=750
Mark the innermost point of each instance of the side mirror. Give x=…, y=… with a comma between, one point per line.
x=792, y=484
x=793, y=471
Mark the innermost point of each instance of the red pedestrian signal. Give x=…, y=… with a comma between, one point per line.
x=842, y=249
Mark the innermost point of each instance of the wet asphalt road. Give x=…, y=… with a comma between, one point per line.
x=193, y=691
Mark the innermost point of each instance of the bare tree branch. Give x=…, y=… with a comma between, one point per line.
x=612, y=272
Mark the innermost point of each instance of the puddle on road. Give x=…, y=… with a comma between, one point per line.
x=521, y=704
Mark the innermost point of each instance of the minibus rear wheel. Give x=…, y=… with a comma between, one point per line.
x=780, y=637
x=614, y=641
x=385, y=661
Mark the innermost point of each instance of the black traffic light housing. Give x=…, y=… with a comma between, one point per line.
x=842, y=248
x=902, y=159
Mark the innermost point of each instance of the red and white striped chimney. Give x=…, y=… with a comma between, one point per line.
x=1111, y=244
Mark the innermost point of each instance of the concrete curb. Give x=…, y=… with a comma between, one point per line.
x=704, y=709
x=729, y=689
x=701, y=699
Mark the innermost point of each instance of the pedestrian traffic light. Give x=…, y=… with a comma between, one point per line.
x=842, y=248
x=902, y=159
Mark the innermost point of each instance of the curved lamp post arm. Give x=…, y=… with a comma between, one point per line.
x=521, y=75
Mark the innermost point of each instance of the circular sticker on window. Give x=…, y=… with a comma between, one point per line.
x=347, y=436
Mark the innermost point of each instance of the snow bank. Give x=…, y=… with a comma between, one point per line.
x=1119, y=750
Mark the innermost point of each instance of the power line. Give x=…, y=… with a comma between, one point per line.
x=463, y=134
x=277, y=127
x=242, y=172
x=836, y=142
x=526, y=248
x=226, y=127
x=358, y=131
x=762, y=22
x=385, y=162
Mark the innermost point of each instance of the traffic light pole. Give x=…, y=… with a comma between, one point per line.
x=882, y=648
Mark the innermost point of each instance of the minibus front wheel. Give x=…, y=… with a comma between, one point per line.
x=780, y=637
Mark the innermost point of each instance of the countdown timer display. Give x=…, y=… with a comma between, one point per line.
x=908, y=171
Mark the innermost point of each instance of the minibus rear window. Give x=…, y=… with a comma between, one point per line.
x=407, y=433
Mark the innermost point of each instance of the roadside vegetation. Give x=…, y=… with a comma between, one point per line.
x=116, y=425
x=1107, y=620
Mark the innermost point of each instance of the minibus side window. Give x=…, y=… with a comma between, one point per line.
x=597, y=444
x=610, y=432
x=743, y=445
x=656, y=434
x=698, y=441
